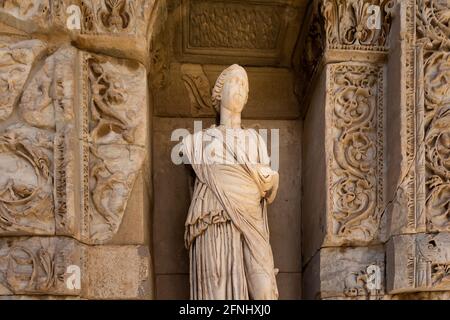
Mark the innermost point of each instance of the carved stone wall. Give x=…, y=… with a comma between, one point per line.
x=344, y=218
x=355, y=144
x=91, y=90
x=384, y=147
x=73, y=144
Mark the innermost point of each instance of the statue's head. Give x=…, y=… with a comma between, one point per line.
x=231, y=89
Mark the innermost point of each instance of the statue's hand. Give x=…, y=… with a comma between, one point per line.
x=269, y=182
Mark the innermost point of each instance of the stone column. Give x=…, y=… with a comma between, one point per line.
x=382, y=205
x=344, y=51
x=73, y=145
x=417, y=251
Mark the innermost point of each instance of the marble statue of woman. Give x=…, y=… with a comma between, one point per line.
x=227, y=231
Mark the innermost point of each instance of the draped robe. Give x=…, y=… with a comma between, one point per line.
x=227, y=231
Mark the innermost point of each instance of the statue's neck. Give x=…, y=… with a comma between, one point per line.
x=230, y=119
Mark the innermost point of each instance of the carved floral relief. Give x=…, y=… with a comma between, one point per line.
x=232, y=25
x=347, y=24
x=355, y=146
x=433, y=23
x=37, y=265
x=60, y=134
x=118, y=17
x=26, y=195
x=437, y=137
x=16, y=61
x=421, y=262
x=113, y=135
x=198, y=88
x=66, y=268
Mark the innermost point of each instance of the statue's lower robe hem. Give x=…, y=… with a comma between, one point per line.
x=217, y=255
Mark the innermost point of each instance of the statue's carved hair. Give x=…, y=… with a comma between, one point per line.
x=220, y=82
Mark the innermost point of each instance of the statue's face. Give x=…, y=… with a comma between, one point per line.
x=235, y=91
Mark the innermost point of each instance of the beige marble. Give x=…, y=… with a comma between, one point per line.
x=226, y=226
x=47, y=265
x=90, y=92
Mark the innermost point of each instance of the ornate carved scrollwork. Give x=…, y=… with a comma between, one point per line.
x=437, y=140
x=356, y=165
x=26, y=195
x=16, y=60
x=36, y=265
x=199, y=89
x=433, y=23
x=231, y=25
x=347, y=24
x=115, y=17
x=107, y=91
x=113, y=139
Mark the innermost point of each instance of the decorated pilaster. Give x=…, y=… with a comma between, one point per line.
x=417, y=252
x=344, y=52
x=73, y=145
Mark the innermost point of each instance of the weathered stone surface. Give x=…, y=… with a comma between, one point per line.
x=188, y=94
x=112, y=136
x=117, y=272
x=420, y=296
x=350, y=24
x=345, y=273
x=122, y=28
x=134, y=228
x=355, y=148
x=172, y=197
x=29, y=15
x=264, y=33
x=420, y=201
x=16, y=61
x=418, y=262
x=360, y=96
x=81, y=119
x=26, y=190
x=38, y=265
x=64, y=267
x=343, y=164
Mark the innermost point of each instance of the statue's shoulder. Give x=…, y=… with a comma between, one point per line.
x=253, y=130
x=198, y=135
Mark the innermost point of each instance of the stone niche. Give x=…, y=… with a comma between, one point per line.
x=190, y=52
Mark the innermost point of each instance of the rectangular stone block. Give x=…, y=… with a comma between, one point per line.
x=121, y=29
x=268, y=40
x=63, y=267
x=37, y=265
x=345, y=273
x=117, y=272
x=82, y=119
x=419, y=262
x=354, y=146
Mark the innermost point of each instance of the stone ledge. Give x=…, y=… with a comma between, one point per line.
x=63, y=267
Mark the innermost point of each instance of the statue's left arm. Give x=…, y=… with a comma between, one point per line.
x=269, y=178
